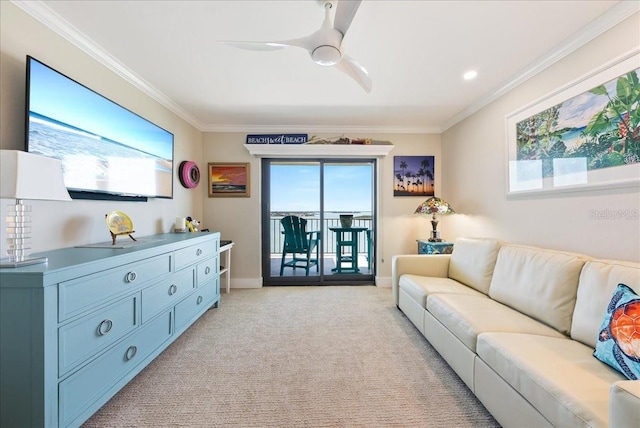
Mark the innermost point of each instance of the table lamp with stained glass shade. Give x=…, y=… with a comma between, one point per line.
x=26, y=176
x=433, y=206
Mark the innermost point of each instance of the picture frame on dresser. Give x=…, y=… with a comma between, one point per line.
x=583, y=136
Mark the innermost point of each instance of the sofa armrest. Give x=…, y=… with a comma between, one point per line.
x=435, y=265
x=624, y=404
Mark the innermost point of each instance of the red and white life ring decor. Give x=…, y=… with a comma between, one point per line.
x=189, y=174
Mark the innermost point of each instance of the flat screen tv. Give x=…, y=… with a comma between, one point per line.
x=107, y=151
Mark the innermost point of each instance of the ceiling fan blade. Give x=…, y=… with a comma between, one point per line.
x=344, y=14
x=357, y=72
x=257, y=46
x=303, y=42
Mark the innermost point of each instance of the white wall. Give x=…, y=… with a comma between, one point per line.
x=64, y=224
x=239, y=218
x=474, y=162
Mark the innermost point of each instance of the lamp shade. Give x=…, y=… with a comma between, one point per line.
x=434, y=205
x=31, y=177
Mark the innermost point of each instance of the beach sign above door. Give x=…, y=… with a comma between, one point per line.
x=277, y=139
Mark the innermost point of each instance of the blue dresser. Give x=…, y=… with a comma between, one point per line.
x=428, y=247
x=74, y=331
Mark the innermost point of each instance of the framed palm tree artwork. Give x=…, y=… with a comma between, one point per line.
x=584, y=136
x=413, y=175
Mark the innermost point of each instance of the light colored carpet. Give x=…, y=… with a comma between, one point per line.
x=298, y=357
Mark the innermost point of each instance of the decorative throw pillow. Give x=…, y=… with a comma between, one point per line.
x=618, y=344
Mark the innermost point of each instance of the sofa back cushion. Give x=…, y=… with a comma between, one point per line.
x=540, y=283
x=472, y=262
x=598, y=279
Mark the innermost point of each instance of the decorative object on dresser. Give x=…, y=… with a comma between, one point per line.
x=433, y=206
x=180, y=225
x=73, y=332
x=119, y=224
x=25, y=176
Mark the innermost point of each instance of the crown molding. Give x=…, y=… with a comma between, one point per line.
x=40, y=11
x=611, y=18
x=318, y=129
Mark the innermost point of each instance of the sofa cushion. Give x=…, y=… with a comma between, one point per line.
x=559, y=377
x=619, y=339
x=624, y=404
x=419, y=287
x=598, y=280
x=473, y=260
x=540, y=283
x=467, y=316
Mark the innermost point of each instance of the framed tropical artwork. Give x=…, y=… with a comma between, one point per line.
x=229, y=180
x=584, y=136
x=413, y=175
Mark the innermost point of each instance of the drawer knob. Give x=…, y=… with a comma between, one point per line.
x=173, y=289
x=199, y=300
x=130, y=276
x=207, y=270
x=104, y=327
x=198, y=252
x=131, y=352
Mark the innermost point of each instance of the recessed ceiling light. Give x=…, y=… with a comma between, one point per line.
x=470, y=75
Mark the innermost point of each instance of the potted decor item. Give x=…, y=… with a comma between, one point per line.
x=346, y=220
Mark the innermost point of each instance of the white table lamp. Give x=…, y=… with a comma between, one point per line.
x=25, y=176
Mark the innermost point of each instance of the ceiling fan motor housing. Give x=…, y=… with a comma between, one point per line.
x=326, y=55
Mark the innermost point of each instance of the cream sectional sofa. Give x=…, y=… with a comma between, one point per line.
x=519, y=325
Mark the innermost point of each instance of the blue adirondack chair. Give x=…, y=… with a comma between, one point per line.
x=300, y=243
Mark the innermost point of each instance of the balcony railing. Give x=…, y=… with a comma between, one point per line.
x=328, y=237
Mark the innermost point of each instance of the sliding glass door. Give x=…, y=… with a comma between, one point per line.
x=318, y=221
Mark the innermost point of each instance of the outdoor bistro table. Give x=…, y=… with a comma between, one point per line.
x=347, y=238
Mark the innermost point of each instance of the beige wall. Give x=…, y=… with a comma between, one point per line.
x=474, y=158
x=470, y=162
x=64, y=224
x=239, y=218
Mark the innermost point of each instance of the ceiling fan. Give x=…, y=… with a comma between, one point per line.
x=324, y=45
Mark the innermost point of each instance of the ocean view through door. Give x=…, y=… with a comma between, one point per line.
x=318, y=221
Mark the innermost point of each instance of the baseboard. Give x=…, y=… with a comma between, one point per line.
x=383, y=282
x=243, y=283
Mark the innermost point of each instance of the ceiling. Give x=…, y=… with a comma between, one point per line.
x=415, y=52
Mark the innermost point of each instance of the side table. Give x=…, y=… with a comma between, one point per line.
x=427, y=247
x=225, y=247
x=347, y=239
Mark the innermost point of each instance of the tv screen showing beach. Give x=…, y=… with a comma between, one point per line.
x=104, y=148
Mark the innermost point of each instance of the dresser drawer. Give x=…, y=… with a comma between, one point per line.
x=167, y=293
x=81, y=294
x=195, y=303
x=195, y=253
x=90, y=383
x=207, y=270
x=92, y=333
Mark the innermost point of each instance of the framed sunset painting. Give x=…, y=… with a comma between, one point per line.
x=229, y=180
